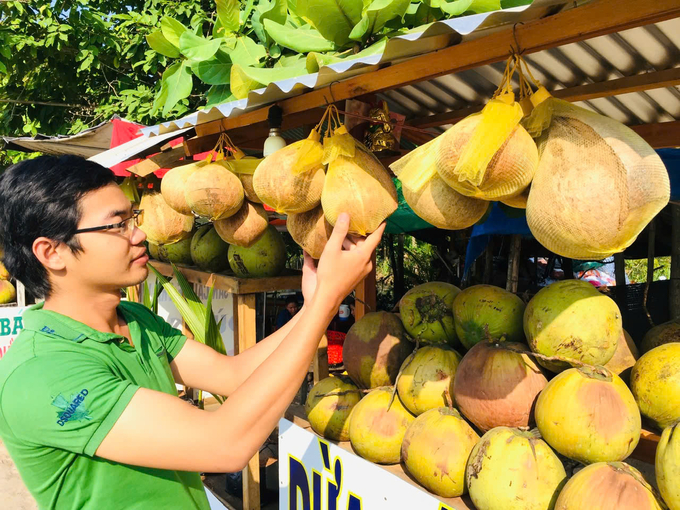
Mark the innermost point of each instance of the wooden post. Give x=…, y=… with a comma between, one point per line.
x=21, y=294
x=245, y=331
x=512, y=281
x=620, y=275
x=675, y=263
x=366, y=294
x=488, y=262
x=320, y=363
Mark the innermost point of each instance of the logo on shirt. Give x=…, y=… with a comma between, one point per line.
x=73, y=410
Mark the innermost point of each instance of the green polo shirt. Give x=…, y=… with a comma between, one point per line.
x=62, y=387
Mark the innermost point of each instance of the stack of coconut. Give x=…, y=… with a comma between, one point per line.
x=462, y=424
x=8, y=293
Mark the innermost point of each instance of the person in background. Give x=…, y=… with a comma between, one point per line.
x=288, y=312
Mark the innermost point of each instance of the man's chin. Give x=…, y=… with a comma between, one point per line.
x=140, y=275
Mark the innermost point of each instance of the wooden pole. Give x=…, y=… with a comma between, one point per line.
x=620, y=276
x=512, y=282
x=674, y=304
x=488, y=262
x=366, y=294
x=651, y=239
x=21, y=294
x=320, y=362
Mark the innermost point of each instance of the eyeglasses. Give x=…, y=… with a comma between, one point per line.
x=126, y=226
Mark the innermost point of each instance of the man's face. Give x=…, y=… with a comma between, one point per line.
x=292, y=308
x=110, y=259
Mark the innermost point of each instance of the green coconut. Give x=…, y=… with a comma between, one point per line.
x=267, y=257
x=485, y=312
x=376, y=431
x=154, y=251
x=208, y=250
x=427, y=378
x=329, y=406
x=655, y=382
x=668, y=466
x=426, y=313
x=374, y=349
x=665, y=333
x=513, y=469
x=178, y=253
x=8, y=293
x=436, y=449
x=572, y=319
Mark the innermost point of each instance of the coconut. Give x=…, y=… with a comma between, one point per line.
x=329, y=406
x=427, y=378
x=178, y=253
x=310, y=230
x=361, y=187
x=572, y=319
x=8, y=293
x=485, y=312
x=668, y=466
x=624, y=358
x=267, y=257
x=588, y=414
x=508, y=173
x=245, y=227
x=245, y=168
x=376, y=431
x=607, y=486
x=174, y=183
x=213, y=191
x=4, y=274
x=291, y=179
x=435, y=451
x=495, y=386
x=426, y=313
x=513, y=469
x=161, y=223
x=208, y=250
x=655, y=382
x=154, y=251
x=249, y=189
x=665, y=333
x=374, y=349
x=518, y=201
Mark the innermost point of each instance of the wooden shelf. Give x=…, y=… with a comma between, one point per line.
x=289, y=280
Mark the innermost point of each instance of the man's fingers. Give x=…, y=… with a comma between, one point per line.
x=348, y=244
x=373, y=240
x=339, y=231
x=309, y=261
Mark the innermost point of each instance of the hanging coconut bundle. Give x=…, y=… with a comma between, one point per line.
x=310, y=230
x=173, y=186
x=245, y=227
x=245, y=168
x=213, y=191
x=161, y=223
x=429, y=196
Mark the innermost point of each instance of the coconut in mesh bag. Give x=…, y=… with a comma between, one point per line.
x=597, y=186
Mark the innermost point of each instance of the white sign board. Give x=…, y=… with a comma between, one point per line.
x=315, y=474
x=11, y=323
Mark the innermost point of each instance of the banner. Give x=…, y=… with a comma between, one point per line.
x=11, y=324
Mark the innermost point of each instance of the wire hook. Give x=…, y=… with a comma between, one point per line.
x=517, y=49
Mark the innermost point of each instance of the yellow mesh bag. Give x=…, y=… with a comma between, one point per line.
x=213, y=191
x=245, y=168
x=597, y=186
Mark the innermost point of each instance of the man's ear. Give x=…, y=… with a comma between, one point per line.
x=47, y=252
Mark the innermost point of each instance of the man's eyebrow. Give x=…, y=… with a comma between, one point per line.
x=123, y=213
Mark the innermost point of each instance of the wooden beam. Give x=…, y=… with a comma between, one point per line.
x=637, y=83
x=600, y=17
x=660, y=135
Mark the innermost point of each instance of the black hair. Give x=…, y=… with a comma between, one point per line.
x=291, y=299
x=41, y=198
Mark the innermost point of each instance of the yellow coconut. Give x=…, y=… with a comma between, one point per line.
x=509, y=172
x=518, y=201
x=310, y=230
x=174, y=184
x=513, y=469
x=329, y=406
x=291, y=179
x=436, y=449
x=213, y=191
x=668, y=466
x=161, y=223
x=607, y=486
x=361, y=187
x=625, y=357
x=4, y=274
x=655, y=382
x=7, y=292
x=589, y=415
x=245, y=227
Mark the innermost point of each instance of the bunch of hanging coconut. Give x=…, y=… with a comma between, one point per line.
x=213, y=191
x=161, y=223
x=173, y=186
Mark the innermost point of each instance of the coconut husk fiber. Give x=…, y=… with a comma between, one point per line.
x=310, y=230
x=245, y=227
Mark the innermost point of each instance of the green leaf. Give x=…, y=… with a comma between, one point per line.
x=458, y=7
x=376, y=15
x=247, y=52
x=172, y=30
x=295, y=60
x=274, y=50
x=507, y=4
x=302, y=41
x=334, y=19
x=3, y=69
x=179, y=84
x=228, y=14
x=198, y=48
x=214, y=71
x=245, y=79
x=276, y=10
x=157, y=41
x=219, y=94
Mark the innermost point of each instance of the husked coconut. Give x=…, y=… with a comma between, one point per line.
x=518, y=201
x=214, y=192
x=245, y=227
x=361, y=187
x=245, y=168
x=161, y=223
x=624, y=358
x=310, y=230
x=173, y=186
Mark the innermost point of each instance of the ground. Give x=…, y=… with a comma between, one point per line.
x=13, y=492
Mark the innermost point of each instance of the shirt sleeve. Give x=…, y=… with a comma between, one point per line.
x=69, y=401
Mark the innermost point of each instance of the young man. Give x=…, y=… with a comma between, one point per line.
x=88, y=406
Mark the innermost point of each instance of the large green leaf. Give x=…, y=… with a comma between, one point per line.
x=334, y=19
x=276, y=10
x=214, y=71
x=179, y=84
x=247, y=52
x=376, y=15
x=198, y=48
x=245, y=79
x=228, y=14
x=420, y=14
x=172, y=30
x=160, y=44
x=295, y=60
x=218, y=94
x=458, y=7
x=302, y=41
x=317, y=60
